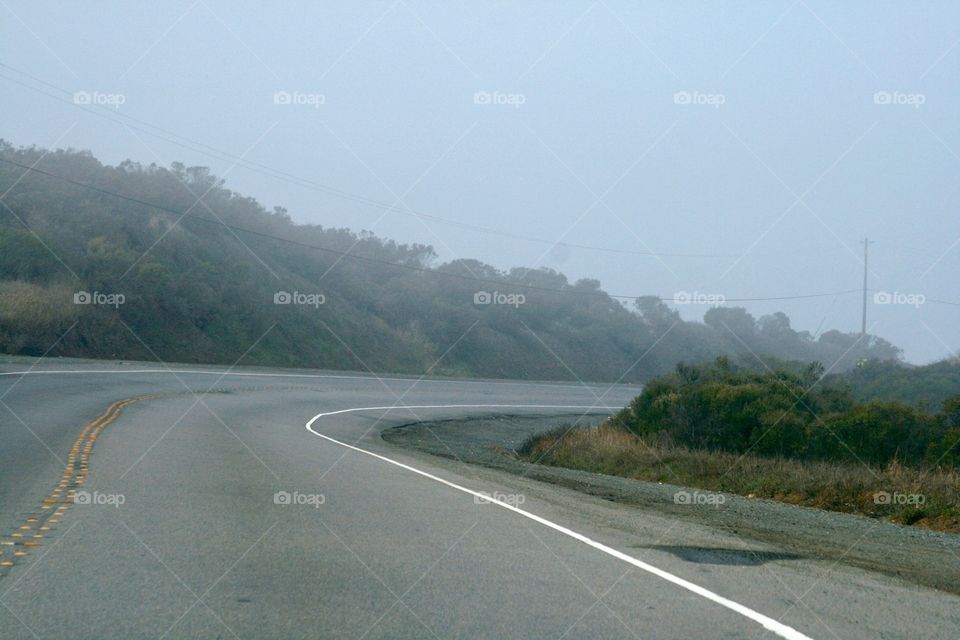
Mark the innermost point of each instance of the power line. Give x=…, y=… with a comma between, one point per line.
x=347, y=254
x=290, y=178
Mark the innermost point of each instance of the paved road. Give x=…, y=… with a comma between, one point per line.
x=214, y=512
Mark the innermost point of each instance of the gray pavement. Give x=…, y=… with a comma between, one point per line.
x=215, y=514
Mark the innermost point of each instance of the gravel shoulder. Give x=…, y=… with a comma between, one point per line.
x=917, y=556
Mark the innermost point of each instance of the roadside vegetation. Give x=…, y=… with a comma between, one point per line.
x=196, y=291
x=925, y=387
x=778, y=435
x=721, y=407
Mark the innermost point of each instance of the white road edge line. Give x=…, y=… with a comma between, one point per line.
x=766, y=622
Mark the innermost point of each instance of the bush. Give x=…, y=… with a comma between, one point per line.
x=719, y=407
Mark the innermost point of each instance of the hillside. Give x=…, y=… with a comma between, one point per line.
x=925, y=386
x=200, y=282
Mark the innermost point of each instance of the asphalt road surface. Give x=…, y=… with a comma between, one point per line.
x=264, y=504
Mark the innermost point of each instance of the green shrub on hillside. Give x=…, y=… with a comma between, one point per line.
x=720, y=407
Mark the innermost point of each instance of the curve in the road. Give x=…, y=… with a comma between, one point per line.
x=766, y=622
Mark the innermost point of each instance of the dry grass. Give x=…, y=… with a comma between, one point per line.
x=838, y=487
x=35, y=307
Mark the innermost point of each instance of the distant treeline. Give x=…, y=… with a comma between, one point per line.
x=189, y=289
x=927, y=386
x=790, y=412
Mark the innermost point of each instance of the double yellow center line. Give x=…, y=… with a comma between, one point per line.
x=35, y=527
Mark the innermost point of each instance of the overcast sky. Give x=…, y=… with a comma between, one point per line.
x=750, y=146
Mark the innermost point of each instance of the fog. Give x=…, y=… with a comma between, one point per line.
x=688, y=151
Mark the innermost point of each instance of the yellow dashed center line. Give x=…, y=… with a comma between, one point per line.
x=76, y=470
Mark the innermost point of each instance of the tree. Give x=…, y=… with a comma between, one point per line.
x=725, y=320
x=951, y=411
x=656, y=313
x=777, y=326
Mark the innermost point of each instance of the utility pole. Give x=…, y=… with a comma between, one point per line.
x=863, y=322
